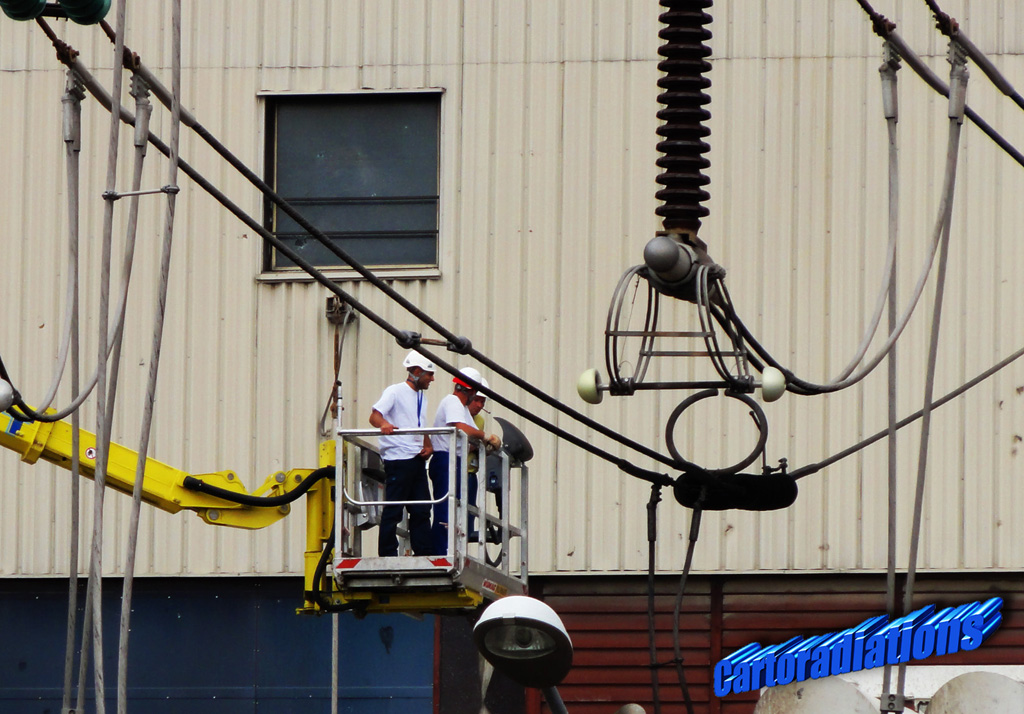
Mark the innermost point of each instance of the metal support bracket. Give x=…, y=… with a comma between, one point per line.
x=114, y=195
x=893, y=703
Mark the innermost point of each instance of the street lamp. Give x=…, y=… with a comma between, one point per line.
x=526, y=640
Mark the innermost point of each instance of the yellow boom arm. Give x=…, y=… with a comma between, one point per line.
x=162, y=486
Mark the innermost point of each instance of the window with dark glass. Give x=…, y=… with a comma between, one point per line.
x=362, y=169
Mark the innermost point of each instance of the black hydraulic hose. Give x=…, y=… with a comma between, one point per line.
x=245, y=499
x=318, y=575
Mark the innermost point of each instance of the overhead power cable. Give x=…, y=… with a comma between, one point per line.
x=805, y=387
x=142, y=139
x=456, y=343
x=105, y=401
x=952, y=29
x=890, y=103
x=795, y=384
x=957, y=100
x=886, y=29
x=67, y=57
x=72, y=120
x=625, y=465
x=906, y=421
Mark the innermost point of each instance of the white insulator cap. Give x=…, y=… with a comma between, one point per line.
x=773, y=384
x=588, y=386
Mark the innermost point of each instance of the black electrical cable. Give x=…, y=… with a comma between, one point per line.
x=814, y=468
x=623, y=464
x=652, y=538
x=695, y=519
x=245, y=499
x=732, y=321
x=951, y=29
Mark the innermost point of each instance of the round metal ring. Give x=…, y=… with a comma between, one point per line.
x=759, y=418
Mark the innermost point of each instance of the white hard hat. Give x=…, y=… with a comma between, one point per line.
x=471, y=373
x=415, y=359
x=485, y=385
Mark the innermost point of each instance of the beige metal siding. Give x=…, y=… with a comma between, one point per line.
x=547, y=183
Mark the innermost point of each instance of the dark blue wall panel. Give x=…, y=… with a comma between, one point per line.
x=217, y=646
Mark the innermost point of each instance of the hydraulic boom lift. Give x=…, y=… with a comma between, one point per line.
x=460, y=579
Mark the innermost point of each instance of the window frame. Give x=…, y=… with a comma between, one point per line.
x=270, y=274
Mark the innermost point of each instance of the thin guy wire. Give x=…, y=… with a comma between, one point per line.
x=339, y=337
x=72, y=141
x=888, y=72
x=154, y=363
x=103, y=419
x=958, y=88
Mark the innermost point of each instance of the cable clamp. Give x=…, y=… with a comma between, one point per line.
x=461, y=345
x=408, y=339
x=114, y=195
x=893, y=703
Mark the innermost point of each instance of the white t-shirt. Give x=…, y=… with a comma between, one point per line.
x=406, y=408
x=450, y=411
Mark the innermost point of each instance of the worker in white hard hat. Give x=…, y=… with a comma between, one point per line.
x=404, y=406
x=491, y=471
x=454, y=411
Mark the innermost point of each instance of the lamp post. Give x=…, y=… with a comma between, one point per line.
x=526, y=640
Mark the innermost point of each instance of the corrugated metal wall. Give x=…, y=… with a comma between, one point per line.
x=607, y=621
x=547, y=183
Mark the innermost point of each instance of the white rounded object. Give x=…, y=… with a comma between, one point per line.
x=979, y=693
x=588, y=386
x=472, y=373
x=830, y=695
x=524, y=639
x=415, y=359
x=773, y=384
x=6, y=395
x=525, y=608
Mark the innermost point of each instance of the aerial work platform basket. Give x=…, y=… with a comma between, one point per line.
x=486, y=553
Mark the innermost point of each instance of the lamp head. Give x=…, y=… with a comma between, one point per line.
x=526, y=640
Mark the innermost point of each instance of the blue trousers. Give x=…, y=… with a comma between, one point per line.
x=406, y=481
x=439, y=483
